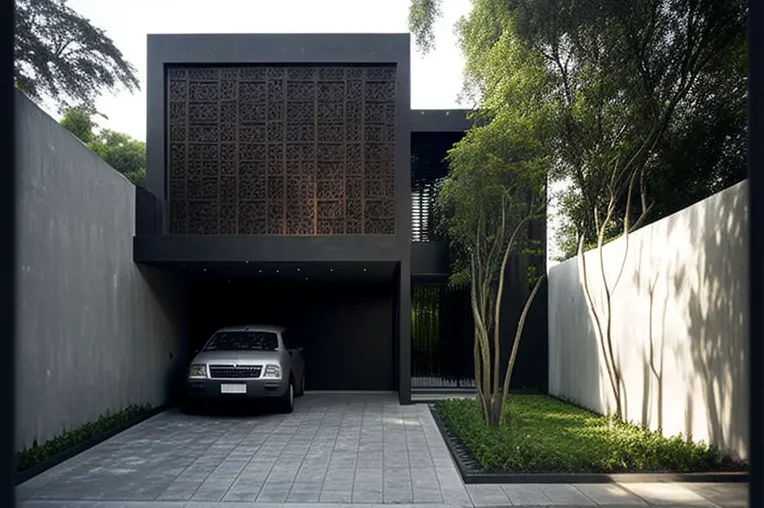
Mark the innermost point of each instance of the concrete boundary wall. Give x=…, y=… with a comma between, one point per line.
x=96, y=332
x=680, y=324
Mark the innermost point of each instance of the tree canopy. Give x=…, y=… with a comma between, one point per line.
x=647, y=95
x=60, y=56
x=495, y=188
x=118, y=150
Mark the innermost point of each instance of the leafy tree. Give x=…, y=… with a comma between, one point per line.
x=622, y=83
x=118, y=150
x=59, y=55
x=495, y=187
x=80, y=123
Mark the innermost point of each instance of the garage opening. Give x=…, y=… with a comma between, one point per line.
x=346, y=329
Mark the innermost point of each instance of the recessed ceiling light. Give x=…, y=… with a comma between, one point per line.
x=259, y=271
x=247, y=261
x=331, y=269
x=306, y=278
x=277, y=271
x=204, y=269
x=364, y=269
x=298, y=269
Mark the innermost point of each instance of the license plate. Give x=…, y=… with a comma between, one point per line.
x=233, y=388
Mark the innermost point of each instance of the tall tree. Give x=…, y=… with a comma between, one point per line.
x=620, y=78
x=80, y=123
x=496, y=186
x=118, y=150
x=60, y=56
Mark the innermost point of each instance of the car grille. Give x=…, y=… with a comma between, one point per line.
x=231, y=372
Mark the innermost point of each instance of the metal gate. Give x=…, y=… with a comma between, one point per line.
x=441, y=337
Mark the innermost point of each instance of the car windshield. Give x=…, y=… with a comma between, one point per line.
x=243, y=341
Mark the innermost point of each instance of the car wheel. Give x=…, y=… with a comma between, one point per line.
x=287, y=401
x=302, y=385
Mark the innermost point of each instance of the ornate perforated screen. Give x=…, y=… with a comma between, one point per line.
x=304, y=150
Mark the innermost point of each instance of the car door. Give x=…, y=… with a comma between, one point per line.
x=295, y=353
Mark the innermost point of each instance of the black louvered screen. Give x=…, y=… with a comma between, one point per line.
x=441, y=337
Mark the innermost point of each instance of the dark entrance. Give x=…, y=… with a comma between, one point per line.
x=346, y=328
x=441, y=337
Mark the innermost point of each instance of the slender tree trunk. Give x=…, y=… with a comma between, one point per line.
x=516, y=343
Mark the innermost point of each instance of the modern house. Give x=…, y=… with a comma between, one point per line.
x=289, y=182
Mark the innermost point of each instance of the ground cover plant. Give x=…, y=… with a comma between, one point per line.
x=544, y=434
x=70, y=438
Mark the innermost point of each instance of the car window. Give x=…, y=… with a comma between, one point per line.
x=243, y=341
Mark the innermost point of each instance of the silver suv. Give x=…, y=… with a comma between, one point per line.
x=247, y=362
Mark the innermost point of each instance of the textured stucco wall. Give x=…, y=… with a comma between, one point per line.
x=680, y=324
x=95, y=331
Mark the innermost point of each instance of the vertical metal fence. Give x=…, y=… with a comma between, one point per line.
x=442, y=337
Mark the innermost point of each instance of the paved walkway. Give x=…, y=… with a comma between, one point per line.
x=336, y=450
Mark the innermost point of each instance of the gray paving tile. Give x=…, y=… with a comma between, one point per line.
x=565, y=495
x=487, y=495
x=669, y=494
x=610, y=494
x=727, y=495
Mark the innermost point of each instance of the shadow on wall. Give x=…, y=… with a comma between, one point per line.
x=679, y=324
x=574, y=372
x=716, y=290
x=697, y=308
x=170, y=294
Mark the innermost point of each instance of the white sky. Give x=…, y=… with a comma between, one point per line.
x=436, y=78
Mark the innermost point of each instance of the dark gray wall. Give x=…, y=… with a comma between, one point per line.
x=285, y=49
x=95, y=331
x=346, y=329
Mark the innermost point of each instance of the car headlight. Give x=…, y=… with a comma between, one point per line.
x=272, y=371
x=197, y=371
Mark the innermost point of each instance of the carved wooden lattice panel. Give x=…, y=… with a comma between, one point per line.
x=281, y=150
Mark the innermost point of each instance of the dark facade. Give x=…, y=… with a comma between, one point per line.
x=280, y=183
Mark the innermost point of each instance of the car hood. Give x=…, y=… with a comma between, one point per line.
x=242, y=357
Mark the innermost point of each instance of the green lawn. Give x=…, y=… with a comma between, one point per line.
x=544, y=434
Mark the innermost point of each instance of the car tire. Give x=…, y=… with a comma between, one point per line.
x=302, y=385
x=286, y=404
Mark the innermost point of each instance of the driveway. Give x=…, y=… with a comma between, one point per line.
x=336, y=449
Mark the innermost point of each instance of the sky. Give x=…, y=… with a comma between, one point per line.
x=436, y=78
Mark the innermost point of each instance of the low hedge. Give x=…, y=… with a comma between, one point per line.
x=68, y=439
x=543, y=434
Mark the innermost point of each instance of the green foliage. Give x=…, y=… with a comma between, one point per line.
x=59, y=55
x=650, y=89
x=68, y=439
x=496, y=182
x=80, y=123
x=422, y=16
x=118, y=150
x=544, y=434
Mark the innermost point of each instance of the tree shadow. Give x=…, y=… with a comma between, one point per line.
x=694, y=374
x=679, y=325
x=716, y=288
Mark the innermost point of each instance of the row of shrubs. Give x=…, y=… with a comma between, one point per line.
x=70, y=438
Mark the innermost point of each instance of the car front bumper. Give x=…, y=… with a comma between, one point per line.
x=210, y=389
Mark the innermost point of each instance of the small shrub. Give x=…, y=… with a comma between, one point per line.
x=544, y=434
x=28, y=457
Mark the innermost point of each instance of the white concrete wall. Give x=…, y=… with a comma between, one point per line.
x=95, y=331
x=680, y=324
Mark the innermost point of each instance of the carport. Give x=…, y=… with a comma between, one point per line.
x=342, y=315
